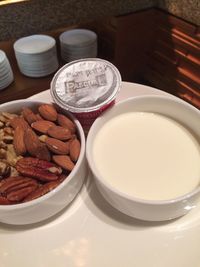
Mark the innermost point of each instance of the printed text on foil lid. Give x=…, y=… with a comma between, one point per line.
x=72, y=86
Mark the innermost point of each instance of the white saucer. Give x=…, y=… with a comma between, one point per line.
x=34, y=44
x=78, y=37
x=36, y=55
x=78, y=43
x=90, y=233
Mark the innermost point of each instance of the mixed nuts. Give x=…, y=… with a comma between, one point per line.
x=37, y=152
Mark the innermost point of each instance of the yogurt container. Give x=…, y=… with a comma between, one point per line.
x=86, y=88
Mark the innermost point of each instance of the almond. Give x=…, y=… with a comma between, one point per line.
x=59, y=132
x=42, y=126
x=18, y=141
x=64, y=162
x=34, y=146
x=65, y=122
x=39, y=118
x=74, y=149
x=19, y=121
x=57, y=146
x=31, y=141
x=48, y=112
x=28, y=115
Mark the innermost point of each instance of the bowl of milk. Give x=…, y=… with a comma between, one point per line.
x=144, y=154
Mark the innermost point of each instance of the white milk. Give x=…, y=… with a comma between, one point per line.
x=148, y=156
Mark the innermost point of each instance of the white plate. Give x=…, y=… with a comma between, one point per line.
x=90, y=233
x=69, y=58
x=78, y=37
x=34, y=44
x=78, y=49
x=39, y=73
x=36, y=57
x=39, y=67
x=67, y=53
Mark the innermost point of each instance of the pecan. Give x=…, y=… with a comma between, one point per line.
x=4, y=201
x=48, y=112
x=15, y=183
x=42, y=190
x=20, y=194
x=34, y=146
x=17, y=188
x=28, y=115
x=38, y=169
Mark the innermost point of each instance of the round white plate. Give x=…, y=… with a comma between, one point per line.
x=37, y=57
x=78, y=37
x=39, y=67
x=38, y=74
x=78, y=49
x=90, y=233
x=34, y=44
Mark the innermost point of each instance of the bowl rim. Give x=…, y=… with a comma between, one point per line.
x=68, y=178
x=116, y=191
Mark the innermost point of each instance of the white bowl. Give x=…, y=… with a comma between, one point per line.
x=150, y=210
x=50, y=204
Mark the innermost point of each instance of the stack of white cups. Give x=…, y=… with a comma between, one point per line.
x=78, y=43
x=6, y=74
x=36, y=55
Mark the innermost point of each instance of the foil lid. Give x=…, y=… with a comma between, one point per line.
x=85, y=85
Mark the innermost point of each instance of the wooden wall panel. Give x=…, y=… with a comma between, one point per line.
x=157, y=48
x=175, y=58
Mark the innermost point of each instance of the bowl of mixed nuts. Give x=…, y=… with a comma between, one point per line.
x=42, y=161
